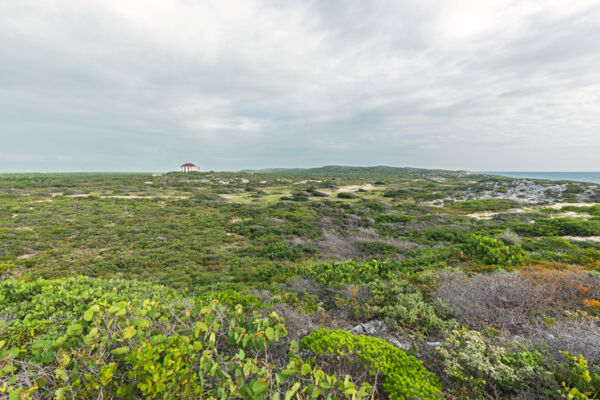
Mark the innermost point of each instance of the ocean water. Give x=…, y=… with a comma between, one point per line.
x=553, y=176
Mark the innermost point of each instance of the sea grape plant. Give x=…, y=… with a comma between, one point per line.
x=494, y=251
x=81, y=338
x=338, y=274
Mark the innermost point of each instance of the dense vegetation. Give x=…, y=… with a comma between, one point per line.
x=336, y=282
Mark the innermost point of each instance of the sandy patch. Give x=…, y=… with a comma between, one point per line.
x=491, y=214
x=482, y=215
x=571, y=214
x=582, y=238
x=558, y=206
x=354, y=188
x=132, y=196
x=115, y=196
x=124, y=197
x=26, y=256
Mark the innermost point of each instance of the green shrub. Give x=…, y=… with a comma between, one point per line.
x=339, y=274
x=405, y=377
x=427, y=257
x=82, y=338
x=487, y=205
x=6, y=267
x=477, y=367
x=401, y=305
x=208, y=197
x=572, y=188
x=398, y=193
x=559, y=227
x=232, y=298
x=578, y=381
x=282, y=251
x=346, y=195
x=375, y=248
x=393, y=218
x=494, y=251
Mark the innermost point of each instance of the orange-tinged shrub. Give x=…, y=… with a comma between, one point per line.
x=511, y=301
x=593, y=304
x=569, y=286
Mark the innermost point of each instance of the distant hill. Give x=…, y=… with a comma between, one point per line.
x=352, y=170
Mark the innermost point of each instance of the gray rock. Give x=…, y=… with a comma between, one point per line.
x=369, y=328
x=396, y=343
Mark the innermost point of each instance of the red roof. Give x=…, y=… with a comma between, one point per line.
x=188, y=164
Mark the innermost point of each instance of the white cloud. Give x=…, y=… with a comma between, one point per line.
x=143, y=84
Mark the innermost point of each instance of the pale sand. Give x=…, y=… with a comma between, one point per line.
x=354, y=188
x=491, y=214
x=582, y=238
x=558, y=206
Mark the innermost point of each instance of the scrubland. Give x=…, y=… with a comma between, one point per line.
x=334, y=282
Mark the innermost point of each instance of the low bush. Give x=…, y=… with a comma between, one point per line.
x=339, y=274
x=471, y=366
x=280, y=251
x=393, y=218
x=375, y=248
x=405, y=377
x=487, y=205
x=578, y=381
x=493, y=251
x=402, y=306
x=81, y=338
x=559, y=227
x=346, y=195
x=512, y=301
x=231, y=298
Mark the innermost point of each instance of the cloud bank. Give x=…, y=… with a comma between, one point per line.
x=146, y=85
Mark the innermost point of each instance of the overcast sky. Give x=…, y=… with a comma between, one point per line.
x=145, y=85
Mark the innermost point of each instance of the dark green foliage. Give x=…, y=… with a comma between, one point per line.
x=559, y=227
x=493, y=251
x=339, y=274
x=572, y=188
x=282, y=251
x=393, y=218
x=346, y=195
x=487, y=205
x=473, y=366
x=402, y=306
x=372, y=248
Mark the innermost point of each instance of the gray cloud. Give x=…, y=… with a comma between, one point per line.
x=142, y=85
